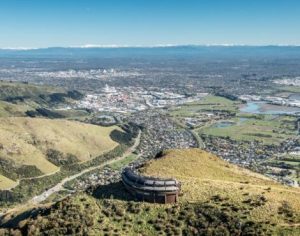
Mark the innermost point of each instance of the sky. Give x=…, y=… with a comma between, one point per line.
x=51, y=23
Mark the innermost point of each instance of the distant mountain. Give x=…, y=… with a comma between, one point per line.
x=185, y=50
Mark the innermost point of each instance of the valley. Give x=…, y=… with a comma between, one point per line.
x=67, y=131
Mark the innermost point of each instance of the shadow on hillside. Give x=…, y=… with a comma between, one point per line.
x=112, y=191
x=14, y=221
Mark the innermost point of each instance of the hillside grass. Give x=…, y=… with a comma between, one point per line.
x=8, y=109
x=17, y=89
x=217, y=198
x=119, y=164
x=25, y=141
x=6, y=183
x=204, y=175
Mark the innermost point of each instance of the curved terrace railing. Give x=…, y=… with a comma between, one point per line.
x=151, y=189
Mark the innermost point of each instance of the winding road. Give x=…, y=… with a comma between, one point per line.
x=42, y=197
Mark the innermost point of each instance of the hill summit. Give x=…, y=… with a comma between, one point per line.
x=216, y=197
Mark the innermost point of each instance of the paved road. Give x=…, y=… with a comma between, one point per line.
x=199, y=140
x=42, y=197
x=30, y=178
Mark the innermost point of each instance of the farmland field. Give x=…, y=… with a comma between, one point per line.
x=208, y=103
x=267, y=129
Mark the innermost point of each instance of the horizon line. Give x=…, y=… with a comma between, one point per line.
x=88, y=46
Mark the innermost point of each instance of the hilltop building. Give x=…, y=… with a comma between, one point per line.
x=150, y=189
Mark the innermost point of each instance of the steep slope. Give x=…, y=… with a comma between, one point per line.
x=8, y=109
x=217, y=199
x=34, y=146
x=13, y=91
x=205, y=176
x=23, y=99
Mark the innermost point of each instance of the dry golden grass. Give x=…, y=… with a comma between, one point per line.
x=15, y=89
x=8, y=109
x=26, y=140
x=204, y=175
x=6, y=183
